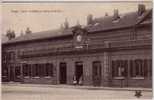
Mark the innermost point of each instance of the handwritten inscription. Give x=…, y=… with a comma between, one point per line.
x=36, y=11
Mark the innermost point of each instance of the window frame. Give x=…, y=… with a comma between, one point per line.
x=119, y=68
x=141, y=68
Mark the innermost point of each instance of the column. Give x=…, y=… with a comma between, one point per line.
x=56, y=71
x=13, y=74
x=128, y=69
x=102, y=70
x=128, y=76
x=87, y=72
x=70, y=71
x=32, y=72
x=21, y=72
x=149, y=68
x=9, y=71
x=107, y=70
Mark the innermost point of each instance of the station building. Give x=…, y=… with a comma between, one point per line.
x=113, y=51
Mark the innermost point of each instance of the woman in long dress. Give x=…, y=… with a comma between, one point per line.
x=74, y=80
x=81, y=80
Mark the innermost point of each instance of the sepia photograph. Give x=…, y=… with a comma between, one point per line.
x=76, y=50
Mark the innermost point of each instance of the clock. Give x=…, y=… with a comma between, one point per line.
x=79, y=38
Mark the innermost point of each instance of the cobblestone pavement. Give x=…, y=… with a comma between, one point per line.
x=59, y=92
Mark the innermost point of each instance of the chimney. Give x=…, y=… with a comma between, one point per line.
x=66, y=24
x=89, y=19
x=141, y=9
x=116, y=14
x=10, y=34
x=78, y=23
x=61, y=26
x=21, y=33
x=28, y=31
x=106, y=14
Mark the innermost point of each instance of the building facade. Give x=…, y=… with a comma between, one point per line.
x=110, y=51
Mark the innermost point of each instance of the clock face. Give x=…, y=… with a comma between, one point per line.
x=79, y=38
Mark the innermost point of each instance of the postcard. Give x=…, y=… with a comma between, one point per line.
x=76, y=50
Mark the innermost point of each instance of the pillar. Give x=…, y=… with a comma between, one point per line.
x=13, y=74
x=149, y=66
x=55, y=71
x=9, y=71
x=87, y=71
x=107, y=70
x=21, y=72
x=31, y=68
x=70, y=71
x=102, y=70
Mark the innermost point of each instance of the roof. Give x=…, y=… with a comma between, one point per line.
x=4, y=38
x=41, y=35
x=125, y=20
x=99, y=24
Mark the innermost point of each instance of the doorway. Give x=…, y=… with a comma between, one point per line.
x=12, y=73
x=96, y=73
x=78, y=71
x=63, y=73
x=15, y=73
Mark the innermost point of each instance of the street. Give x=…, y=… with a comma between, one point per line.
x=60, y=92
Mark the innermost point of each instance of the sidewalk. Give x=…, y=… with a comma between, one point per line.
x=78, y=87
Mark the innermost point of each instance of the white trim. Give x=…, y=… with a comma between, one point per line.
x=36, y=77
x=138, y=78
x=19, y=76
x=47, y=77
x=26, y=77
x=78, y=47
x=4, y=76
x=119, y=78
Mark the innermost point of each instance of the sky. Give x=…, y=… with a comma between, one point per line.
x=47, y=16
